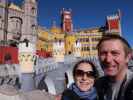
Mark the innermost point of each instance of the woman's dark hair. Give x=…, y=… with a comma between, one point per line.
x=88, y=62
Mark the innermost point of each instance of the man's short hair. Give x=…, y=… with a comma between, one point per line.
x=107, y=37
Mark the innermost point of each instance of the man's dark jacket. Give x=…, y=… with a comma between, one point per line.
x=126, y=88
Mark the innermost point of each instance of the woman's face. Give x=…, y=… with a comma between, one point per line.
x=84, y=76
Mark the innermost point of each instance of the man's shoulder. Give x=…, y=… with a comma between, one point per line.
x=129, y=90
x=101, y=86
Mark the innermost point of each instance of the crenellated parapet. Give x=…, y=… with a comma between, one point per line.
x=113, y=23
x=27, y=56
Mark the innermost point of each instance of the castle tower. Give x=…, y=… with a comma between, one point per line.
x=66, y=21
x=27, y=56
x=69, y=44
x=29, y=30
x=3, y=3
x=113, y=23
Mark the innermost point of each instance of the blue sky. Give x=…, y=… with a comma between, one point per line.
x=87, y=13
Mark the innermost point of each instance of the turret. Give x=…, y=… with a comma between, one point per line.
x=3, y=2
x=30, y=20
x=113, y=23
x=66, y=21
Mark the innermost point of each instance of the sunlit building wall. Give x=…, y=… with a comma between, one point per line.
x=58, y=51
x=44, y=41
x=69, y=44
x=27, y=56
x=89, y=39
x=77, y=49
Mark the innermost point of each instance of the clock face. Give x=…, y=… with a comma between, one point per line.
x=67, y=16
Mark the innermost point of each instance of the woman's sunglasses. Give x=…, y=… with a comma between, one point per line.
x=81, y=73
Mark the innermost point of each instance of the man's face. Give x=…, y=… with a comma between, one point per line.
x=112, y=57
x=84, y=77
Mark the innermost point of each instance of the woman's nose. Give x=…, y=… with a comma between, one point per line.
x=84, y=76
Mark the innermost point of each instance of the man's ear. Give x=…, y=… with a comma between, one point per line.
x=129, y=57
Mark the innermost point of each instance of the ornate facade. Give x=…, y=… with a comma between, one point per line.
x=18, y=23
x=89, y=39
x=81, y=43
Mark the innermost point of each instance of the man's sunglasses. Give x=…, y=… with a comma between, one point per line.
x=81, y=73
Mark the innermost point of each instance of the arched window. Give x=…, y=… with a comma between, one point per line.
x=33, y=27
x=8, y=58
x=15, y=27
x=15, y=24
x=33, y=10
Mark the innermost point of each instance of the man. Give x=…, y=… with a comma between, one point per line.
x=114, y=54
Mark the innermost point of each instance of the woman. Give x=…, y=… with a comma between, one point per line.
x=84, y=74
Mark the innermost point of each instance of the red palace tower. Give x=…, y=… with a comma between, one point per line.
x=66, y=21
